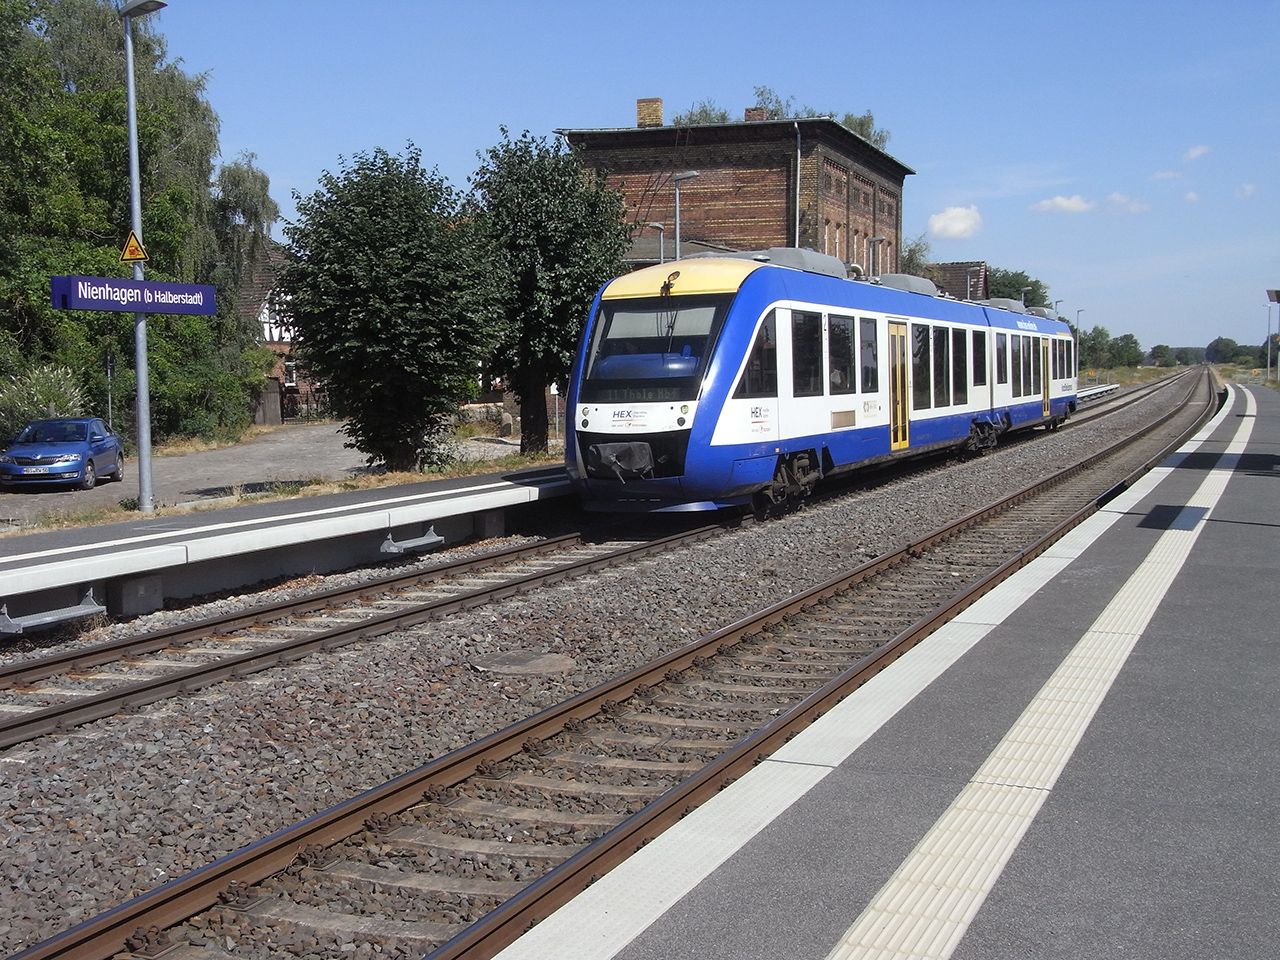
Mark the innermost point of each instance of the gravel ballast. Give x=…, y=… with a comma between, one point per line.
x=118, y=807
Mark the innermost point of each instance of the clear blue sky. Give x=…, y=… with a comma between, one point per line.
x=1123, y=153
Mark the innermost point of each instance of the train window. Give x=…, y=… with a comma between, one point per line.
x=1026, y=366
x=1002, y=358
x=760, y=378
x=979, y=358
x=1037, y=352
x=841, y=362
x=1016, y=358
x=652, y=348
x=870, y=357
x=1071, y=364
x=921, y=394
x=941, y=366
x=959, y=367
x=1055, y=358
x=806, y=354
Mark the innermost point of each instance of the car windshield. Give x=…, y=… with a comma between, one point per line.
x=55, y=432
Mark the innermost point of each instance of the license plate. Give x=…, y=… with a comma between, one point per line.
x=35, y=469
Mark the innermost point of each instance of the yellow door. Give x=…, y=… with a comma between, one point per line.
x=1045, y=372
x=899, y=421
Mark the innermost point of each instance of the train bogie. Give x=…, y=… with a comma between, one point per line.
x=706, y=383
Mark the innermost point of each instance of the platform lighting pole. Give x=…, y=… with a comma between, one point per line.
x=1273, y=296
x=680, y=178
x=1055, y=307
x=146, y=502
x=873, y=248
x=662, y=241
x=1023, y=295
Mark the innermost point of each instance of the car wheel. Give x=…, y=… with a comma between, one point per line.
x=90, y=477
x=118, y=475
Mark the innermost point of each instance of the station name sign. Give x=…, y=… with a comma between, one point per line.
x=132, y=296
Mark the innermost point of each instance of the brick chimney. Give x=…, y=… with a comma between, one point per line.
x=754, y=113
x=649, y=112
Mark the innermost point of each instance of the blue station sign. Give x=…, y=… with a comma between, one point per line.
x=132, y=296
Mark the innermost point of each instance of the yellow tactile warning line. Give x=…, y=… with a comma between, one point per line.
x=924, y=910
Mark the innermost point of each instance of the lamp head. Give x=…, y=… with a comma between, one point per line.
x=140, y=8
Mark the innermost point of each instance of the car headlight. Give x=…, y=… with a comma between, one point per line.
x=68, y=458
x=8, y=459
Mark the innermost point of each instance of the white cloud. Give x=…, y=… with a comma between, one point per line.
x=1195, y=153
x=1246, y=190
x=1122, y=203
x=1072, y=204
x=1191, y=196
x=1166, y=175
x=956, y=223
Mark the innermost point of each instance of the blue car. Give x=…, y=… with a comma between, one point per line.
x=77, y=451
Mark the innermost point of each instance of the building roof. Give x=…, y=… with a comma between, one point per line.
x=742, y=131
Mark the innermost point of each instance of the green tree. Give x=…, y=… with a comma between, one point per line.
x=560, y=234
x=1162, y=355
x=390, y=295
x=1126, y=351
x=1185, y=356
x=1222, y=350
x=1010, y=284
x=64, y=209
x=915, y=256
x=704, y=111
x=1095, y=348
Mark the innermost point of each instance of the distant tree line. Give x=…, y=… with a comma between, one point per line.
x=64, y=210
x=1097, y=348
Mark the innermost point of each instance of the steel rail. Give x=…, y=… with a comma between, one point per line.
x=104, y=935
x=132, y=696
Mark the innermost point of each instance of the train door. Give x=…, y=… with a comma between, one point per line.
x=899, y=389
x=803, y=403
x=1045, y=368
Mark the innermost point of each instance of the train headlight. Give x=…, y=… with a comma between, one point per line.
x=679, y=421
x=585, y=424
x=684, y=409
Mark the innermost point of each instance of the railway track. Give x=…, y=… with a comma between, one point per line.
x=460, y=855
x=54, y=694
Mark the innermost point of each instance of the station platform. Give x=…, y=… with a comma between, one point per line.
x=133, y=566
x=1085, y=764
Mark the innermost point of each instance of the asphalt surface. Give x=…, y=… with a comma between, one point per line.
x=290, y=454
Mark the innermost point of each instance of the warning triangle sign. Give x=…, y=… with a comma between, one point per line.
x=133, y=252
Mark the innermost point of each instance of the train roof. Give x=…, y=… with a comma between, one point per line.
x=893, y=293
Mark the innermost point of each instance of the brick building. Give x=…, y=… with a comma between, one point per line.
x=964, y=280
x=761, y=183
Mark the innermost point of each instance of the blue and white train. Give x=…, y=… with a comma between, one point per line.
x=712, y=382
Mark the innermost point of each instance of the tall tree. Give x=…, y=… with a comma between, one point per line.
x=1012, y=284
x=1126, y=351
x=704, y=111
x=64, y=201
x=560, y=234
x=914, y=258
x=390, y=295
x=1095, y=348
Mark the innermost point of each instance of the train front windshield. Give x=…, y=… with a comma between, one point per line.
x=653, y=349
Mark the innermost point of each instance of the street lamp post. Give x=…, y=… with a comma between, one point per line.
x=1078, y=312
x=680, y=178
x=662, y=241
x=1024, y=295
x=146, y=502
x=1055, y=307
x=1273, y=296
x=873, y=253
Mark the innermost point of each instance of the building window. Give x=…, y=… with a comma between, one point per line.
x=290, y=373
